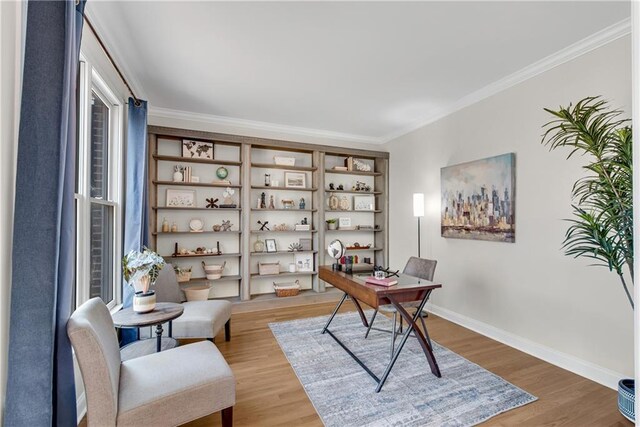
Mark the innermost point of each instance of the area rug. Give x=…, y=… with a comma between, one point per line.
x=344, y=394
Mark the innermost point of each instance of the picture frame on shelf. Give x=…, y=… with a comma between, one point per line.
x=304, y=262
x=344, y=224
x=197, y=149
x=179, y=198
x=364, y=203
x=270, y=245
x=306, y=243
x=295, y=180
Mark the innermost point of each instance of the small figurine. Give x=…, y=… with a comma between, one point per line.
x=304, y=221
x=263, y=225
x=226, y=225
x=331, y=186
x=258, y=204
x=302, y=203
x=272, y=204
x=294, y=247
x=263, y=201
x=228, y=201
x=340, y=187
x=212, y=203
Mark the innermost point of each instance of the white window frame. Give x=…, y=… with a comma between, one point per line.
x=91, y=81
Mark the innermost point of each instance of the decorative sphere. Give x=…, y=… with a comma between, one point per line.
x=222, y=172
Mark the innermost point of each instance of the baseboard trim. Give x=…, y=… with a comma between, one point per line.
x=81, y=406
x=573, y=364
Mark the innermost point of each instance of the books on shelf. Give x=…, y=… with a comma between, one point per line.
x=381, y=282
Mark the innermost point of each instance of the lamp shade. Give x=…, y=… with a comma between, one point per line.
x=418, y=204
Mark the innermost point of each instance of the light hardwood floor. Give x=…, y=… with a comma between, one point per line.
x=269, y=393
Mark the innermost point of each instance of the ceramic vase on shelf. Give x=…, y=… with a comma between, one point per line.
x=177, y=174
x=144, y=299
x=258, y=246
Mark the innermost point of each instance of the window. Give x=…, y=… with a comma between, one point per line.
x=98, y=195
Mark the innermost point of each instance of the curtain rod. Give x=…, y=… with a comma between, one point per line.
x=104, y=48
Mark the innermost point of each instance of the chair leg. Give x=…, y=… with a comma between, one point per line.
x=400, y=324
x=227, y=417
x=394, y=333
x=375, y=313
x=227, y=330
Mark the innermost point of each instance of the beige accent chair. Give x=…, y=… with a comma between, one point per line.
x=162, y=389
x=201, y=319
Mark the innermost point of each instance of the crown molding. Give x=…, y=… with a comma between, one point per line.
x=243, y=124
x=586, y=45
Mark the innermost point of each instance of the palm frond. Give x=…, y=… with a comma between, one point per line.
x=602, y=225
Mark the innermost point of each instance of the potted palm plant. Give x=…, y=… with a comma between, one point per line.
x=602, y=225
x=141, y=270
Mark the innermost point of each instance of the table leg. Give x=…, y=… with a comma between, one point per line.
x=410, y=328
x=159, y=331
x=344, y=297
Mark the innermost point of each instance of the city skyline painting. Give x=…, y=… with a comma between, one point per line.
x=478, y=199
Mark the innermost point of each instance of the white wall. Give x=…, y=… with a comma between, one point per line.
x=527, y=294
x=11, y=48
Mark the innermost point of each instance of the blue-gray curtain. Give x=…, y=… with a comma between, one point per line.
x=136, y=217
x=40, y=384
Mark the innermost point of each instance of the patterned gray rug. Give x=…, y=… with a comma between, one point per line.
x=344, y=394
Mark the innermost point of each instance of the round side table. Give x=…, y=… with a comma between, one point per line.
x=163, y=313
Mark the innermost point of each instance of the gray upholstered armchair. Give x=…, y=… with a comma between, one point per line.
x=200, y=319
x=162, y=389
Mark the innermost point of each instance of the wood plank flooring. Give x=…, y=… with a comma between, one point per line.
x=269, y=393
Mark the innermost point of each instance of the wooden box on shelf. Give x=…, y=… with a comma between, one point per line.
x=284, y=161
x=288, y=289
x=266, y=268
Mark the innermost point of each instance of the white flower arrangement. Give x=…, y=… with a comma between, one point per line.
x=141, y=269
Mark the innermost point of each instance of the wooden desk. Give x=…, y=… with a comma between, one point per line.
x=407, y=289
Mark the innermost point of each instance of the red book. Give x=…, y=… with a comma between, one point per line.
x=382, y=282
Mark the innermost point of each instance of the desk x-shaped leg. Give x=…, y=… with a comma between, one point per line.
x=412, y=327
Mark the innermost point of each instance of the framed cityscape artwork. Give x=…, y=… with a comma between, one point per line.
x=478, y=199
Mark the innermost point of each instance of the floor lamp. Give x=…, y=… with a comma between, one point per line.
x=418, y=212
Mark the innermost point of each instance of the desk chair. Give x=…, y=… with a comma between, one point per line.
x=416, y=267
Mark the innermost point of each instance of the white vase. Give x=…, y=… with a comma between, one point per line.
x=177, y=176
x=144, y=303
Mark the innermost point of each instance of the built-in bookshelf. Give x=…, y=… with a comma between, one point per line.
x=295, y=171
x=166, y=152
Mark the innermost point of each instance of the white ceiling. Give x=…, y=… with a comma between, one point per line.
x=367, y=70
